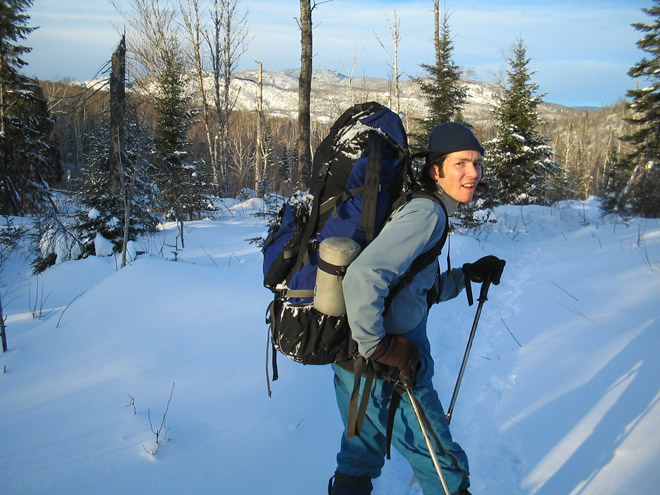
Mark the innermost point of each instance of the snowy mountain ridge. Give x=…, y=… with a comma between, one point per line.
x=333, y=92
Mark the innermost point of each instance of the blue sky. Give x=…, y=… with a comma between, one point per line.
x=581, y=50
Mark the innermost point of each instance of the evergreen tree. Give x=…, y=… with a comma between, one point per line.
x=640, y=195
x=442, y=88
x=616, y=173
x=99, y=213
x=286, y=165
x=180, y=183
x=61, y=236
x=520, y=156
x=102, y=212
x=28, y=157
x=445, y=95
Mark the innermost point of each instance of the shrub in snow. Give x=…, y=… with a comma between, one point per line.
x=57, y=245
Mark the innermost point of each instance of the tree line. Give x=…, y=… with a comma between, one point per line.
x=167, y=138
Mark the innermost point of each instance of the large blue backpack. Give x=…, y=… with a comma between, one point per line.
x=361, y=172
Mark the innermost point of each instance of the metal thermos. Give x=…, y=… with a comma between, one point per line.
x=335, y=254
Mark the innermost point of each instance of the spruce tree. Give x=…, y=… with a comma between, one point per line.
x=520, y=158
x=102, y=212
x=640, y=195
x=445, y=95
x=442, y=88
x=28, y=156
x=179, y=181
x=99, y=213
x=616, y=173
x=114, y=204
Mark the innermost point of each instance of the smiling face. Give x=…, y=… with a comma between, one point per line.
x=459, y=174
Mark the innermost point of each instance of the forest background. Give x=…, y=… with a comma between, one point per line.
x=170, y=124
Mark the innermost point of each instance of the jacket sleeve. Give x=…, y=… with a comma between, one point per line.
x=449, y=285
x=412, y=230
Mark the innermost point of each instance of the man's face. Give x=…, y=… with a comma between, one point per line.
x=459, y=174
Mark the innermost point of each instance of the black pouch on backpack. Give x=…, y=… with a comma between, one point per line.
x=307, y=336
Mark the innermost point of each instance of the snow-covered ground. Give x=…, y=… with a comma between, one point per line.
x=561, y=394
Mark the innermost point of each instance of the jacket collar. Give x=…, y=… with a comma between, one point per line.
x=450, y=203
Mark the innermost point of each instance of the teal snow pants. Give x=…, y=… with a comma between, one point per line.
x=364, y=455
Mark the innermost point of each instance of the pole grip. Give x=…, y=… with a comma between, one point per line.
x=483, y=294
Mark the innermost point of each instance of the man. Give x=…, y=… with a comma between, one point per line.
x=397, y=336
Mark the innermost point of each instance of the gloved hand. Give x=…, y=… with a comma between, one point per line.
x=399, y=352
x=489, y=267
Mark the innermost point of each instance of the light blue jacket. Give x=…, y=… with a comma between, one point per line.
x=411, y=230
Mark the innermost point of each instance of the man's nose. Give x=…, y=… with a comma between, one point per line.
x=473, y=170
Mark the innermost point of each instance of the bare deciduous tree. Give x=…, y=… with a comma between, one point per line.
x=582, y=142
x=241, y=148
x=227, y=42
x=195, y=30
x=394, y=56
x=260, y=162
x=152, y=38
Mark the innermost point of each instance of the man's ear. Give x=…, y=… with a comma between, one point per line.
x=434, y=172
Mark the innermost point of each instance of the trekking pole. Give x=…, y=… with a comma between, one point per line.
x=417, y=408
x=483, y=297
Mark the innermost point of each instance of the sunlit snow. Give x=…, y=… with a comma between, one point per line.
x=561, y=394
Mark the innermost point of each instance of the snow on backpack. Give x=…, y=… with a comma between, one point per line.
x=361, y=171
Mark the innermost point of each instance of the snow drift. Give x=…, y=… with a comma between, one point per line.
x=561, y=393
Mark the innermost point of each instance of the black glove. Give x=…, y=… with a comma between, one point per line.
x=488, y=267
x=399, y=352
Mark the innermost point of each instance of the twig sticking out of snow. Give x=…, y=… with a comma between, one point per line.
x=159, y=431
x=67, y=307
x=132, y=403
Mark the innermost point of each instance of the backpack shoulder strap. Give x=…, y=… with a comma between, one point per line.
x=427, y=257
x=371, y=186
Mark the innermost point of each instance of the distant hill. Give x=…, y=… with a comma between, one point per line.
x=333, y=92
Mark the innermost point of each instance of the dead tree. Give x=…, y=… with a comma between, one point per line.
x=260, y=158
x=304, y=93
x=436, y=32
x=117, y=115
x=227, y=42
x=190, y=12
x=394, y=57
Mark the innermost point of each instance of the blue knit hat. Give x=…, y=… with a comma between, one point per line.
x=449, y=137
